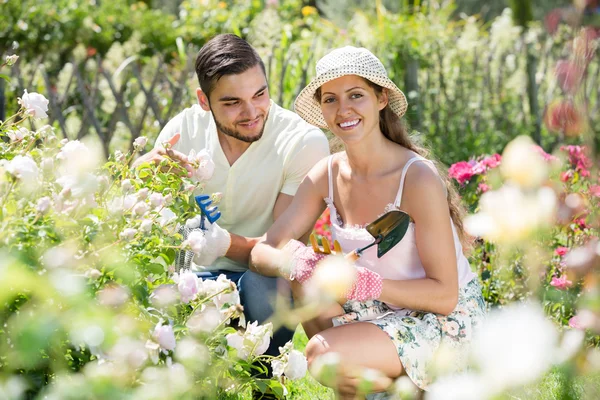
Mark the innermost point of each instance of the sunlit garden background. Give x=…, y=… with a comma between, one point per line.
x=504, y=93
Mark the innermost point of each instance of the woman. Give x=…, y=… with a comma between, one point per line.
x=421, y=293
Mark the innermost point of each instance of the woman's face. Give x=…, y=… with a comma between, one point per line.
x=351, y=107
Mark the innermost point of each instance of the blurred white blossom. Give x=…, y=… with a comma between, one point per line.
x=165, y=337
x=522, y=164
x=17, y=134
x=515, y=346
x=296, y=365
x=187, y=284
x=196, y=241
x=509, y=215
x=24, y=168
x=11, y=60
x=35, y=104
x=43, y=204
x=253, y=342
x=205, y=166
x=140, y=142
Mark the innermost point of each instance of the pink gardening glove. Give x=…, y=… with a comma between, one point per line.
x=368, y=285
x=302, y=261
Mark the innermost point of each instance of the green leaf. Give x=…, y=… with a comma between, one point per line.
x=5, y=77
x=155, y=268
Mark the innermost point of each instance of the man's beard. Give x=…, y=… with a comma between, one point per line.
x=236, y=134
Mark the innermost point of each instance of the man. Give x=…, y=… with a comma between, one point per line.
x=261, y=154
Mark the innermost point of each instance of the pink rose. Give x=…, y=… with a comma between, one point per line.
x=462, y=171
x=492, y=161
x=561, y=283
x=575, y=323
x=545, y=156
x=566, y=176
x=483, y=187
x=595, y=190
x=561, y=251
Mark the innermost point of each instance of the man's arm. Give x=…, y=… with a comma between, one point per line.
x=242, y=246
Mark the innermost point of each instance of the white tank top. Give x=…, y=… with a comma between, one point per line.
x=402, y=262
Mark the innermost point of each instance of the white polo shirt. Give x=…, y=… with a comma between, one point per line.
x=276, y=163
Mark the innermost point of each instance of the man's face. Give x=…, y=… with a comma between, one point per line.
x=240, y=104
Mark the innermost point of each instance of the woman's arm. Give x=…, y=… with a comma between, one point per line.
x=266, y=258
x=425, y=201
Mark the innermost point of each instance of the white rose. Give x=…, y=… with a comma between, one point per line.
x=278, y=367
x=236, y=341
x=93, y=273
x=119, y=156
x=45, y=131
x=43, y=204
x=168, y=199
x=142, y=194
x=166, y=217
x=187, y=284
x=35, y=104
x=11, y=60
x=196, y=241
x=141, y=208
x=103, y=182
x=17, y=134
x=126, y=186
x=206, y=166
x=128, y=234
x=165, y=337
x=296, y=366
x=77, y=157
x=47, y=164
x=146, y=226
x=79, y=186
x=207, y=320
x=156, y=199
x=24, y=168
x=259, y=335
x=140, y=142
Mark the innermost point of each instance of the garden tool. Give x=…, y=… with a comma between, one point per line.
x=387, y=230
x=212, y=214
x=337, y=249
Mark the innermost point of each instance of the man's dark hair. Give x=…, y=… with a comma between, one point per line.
x=225, y=54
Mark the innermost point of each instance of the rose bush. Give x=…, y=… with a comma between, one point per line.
x=89, y=292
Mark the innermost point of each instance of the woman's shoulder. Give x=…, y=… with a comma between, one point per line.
x=422, y=182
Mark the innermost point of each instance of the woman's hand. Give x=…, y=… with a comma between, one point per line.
x=300, y=262
x=368, y=285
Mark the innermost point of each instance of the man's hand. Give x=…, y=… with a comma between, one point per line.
x=218, y=241
x=158, y=154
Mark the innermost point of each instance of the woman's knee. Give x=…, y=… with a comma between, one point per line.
x=316, y=347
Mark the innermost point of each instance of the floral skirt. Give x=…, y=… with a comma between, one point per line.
x=417, y=335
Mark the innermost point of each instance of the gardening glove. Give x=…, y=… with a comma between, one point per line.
x=301, y=262
x=368, y=285
x=208, y=242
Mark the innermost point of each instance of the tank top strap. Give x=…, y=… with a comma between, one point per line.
x=404, y=171
x=330, y=177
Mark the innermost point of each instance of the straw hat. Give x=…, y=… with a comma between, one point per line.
x=347, y=60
